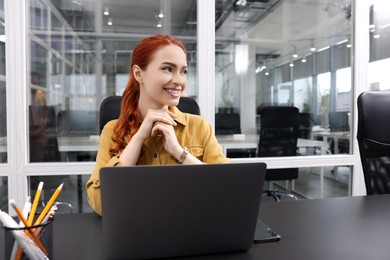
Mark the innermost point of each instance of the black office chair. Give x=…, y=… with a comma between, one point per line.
x=338, y=122
x=373, y=135
x=110, y=108
x=188, y=105
x=229, y=124
x=279, y=137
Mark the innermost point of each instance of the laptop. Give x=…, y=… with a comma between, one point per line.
x=179, y=210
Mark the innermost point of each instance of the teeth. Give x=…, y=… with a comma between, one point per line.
x=172, y=91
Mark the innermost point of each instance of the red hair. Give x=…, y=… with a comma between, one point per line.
x=130, y=117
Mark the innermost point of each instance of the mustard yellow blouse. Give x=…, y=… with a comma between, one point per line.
x=192, y=131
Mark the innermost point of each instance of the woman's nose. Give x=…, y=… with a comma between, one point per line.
x=178, y=79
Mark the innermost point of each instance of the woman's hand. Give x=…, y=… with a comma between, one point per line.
x=155, y=121
x=155, y=116
x=171, y=144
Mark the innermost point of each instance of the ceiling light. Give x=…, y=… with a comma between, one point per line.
x=159, y=25
x=109, y=21
x=258, y=69
x=291, y=64
x=295, y=55
x=376, y=36
x=303, y=60
x=106, y=11
x=160, y=15
x=266, y=73
x=241, y=58
x=349, y=45
x=312, y=49
x=241, y=2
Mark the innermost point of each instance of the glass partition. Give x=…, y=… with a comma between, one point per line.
x=285, y=53
x=73, y=196
x=4, y=194
x=311, y=183
x=79, y=53
x=379, y=58
x=3, y=108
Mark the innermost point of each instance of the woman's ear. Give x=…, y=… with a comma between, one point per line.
x=137, y=73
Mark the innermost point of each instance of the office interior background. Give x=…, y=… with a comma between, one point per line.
x=61, y=58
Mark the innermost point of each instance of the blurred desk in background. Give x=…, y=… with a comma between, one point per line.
x=252, y=142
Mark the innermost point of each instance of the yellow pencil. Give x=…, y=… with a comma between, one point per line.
x=35, y=204
x=48, y=205
x=33, y=236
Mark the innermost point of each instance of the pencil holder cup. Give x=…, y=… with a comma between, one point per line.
x=44, y=233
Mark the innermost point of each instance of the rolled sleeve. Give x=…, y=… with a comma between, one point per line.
x=103, y=159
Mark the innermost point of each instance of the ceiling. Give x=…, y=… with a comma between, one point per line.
x=275, y=27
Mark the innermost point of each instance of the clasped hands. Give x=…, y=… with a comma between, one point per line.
x=161, y=121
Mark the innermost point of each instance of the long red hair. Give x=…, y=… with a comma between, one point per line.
x=130, y=117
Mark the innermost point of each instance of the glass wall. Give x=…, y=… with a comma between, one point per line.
x=379, y=55
x=79, y=53
x=3, y=108
x=3, y=113
x=286, y=53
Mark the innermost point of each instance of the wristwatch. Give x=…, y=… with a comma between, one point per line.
x=183, y=156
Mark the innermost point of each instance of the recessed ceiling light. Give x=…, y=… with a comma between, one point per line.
x=106, y=11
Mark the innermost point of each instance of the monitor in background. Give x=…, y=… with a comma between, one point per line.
x=78, y=122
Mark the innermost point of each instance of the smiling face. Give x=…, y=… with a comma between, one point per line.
x=163, y=80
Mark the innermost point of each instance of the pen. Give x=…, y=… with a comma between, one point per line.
x=49, y=215
x=28, y=246
x=49, y=204
x=34, y=237
x=26, y=209
x=35, y=203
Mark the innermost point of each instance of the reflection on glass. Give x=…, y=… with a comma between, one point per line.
x=39, y=19
x=293, y=57
x=76, y=60
x=3, y=108
x=4, y=194
x=72, y=199
x=379, y=30
x=317, y=183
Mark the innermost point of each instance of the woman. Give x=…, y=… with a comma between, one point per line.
x=150, y=129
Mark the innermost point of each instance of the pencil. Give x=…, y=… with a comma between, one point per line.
x=35, y=204
x=33, y=236
x=48, y=205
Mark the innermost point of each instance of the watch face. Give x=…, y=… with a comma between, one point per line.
x=183, y=155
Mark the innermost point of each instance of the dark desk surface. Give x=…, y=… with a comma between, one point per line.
x=339, y=228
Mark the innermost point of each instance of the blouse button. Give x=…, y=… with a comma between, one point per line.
x=155, y=155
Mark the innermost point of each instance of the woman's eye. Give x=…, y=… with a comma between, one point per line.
x=167, y=69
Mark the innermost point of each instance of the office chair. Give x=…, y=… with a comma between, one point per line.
x=229, y=124
x=338, y=122
x=110, y=108
x=188, y=105
x=279, y=137
x=374, y=140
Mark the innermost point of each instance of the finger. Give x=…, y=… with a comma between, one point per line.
x=167, y=119
x=173, y=115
